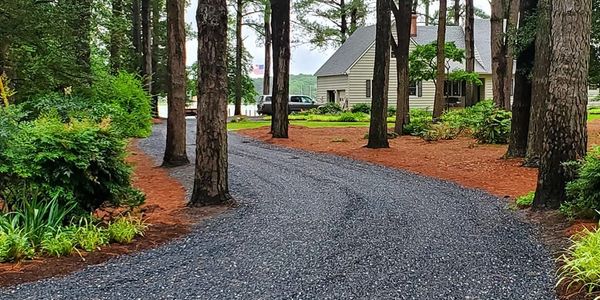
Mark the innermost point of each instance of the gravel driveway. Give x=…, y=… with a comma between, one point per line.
x=322, y=227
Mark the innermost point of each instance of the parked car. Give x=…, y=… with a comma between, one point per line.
x=296, y=103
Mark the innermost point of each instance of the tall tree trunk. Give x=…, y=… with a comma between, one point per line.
x=147, y=45
x=438, y=104
x=175, y=150
x=280, y=26
x=343, y=21
x=83, y=31
x=381, y=74
x=427, y=12
x=402, y=16
x=267, y=75
x=511, y=23
x=499, y=63
x=456, y=12
x=116, y=36
x=157, y=6
x=521, y=107
x=239, y=51
x=565, y=132
x=353, y=19
x=470, y=51
x=136, y=33
x=539, y=82
x=210, y=181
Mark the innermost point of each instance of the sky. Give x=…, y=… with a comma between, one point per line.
x=306, y=59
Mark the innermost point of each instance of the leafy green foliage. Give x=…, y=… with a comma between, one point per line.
x=423, y=61
x=494, y=128
x=581, y=263
x=391, y=112
x=123, y=230
x=331, y=108
x=320, y=18
x=525, y=200
x=440, y=131
x=361, y=107
x=15, y=246
x=584, y=192
x=88, y=236
x=80, y=161
x=61, y=242
x=420, y=122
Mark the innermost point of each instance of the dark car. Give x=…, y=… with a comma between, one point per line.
x=296, y=103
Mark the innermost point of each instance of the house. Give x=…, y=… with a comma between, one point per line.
x=347, y=74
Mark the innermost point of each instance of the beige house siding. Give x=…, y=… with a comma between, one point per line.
x=327, y=83
x=362, y=71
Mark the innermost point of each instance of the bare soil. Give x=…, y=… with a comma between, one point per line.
x=165, y=211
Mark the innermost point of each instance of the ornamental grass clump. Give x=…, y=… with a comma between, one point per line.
x=581, y=263
x=125, y=229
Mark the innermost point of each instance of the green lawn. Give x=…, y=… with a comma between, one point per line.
x=593, y=117
x=311, y=124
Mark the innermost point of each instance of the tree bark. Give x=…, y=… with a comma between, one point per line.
x=343, y=21
x=402, y=16
x=511, y=23
x=470, y=51
x=239, y=51
x=280, y=26
x=539, y=91
x=116, y=36
x=175, y=150
x=456, y=12
x=499, y=63
x=267, y=75
x=83, y=31
x=438, y=104
x=521, y=107
x=427, y=12
x=147, y=45
x=210, y=180
x=156, y=11
x=565, y=132
x=136, y=36
x=381, y=74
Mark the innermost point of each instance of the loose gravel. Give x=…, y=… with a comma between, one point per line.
x=315, y=226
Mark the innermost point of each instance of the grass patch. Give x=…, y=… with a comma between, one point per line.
x=525, y=200
x=310, y=124
x=581, y=263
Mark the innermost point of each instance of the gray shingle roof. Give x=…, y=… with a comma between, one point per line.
x=354, y=47
x=341, y=61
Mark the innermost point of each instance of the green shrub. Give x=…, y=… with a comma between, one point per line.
x=124, y=91
x=361, y=108
x=58, y=243
x=581, y=263
x=88, y=236
x=440, y=131
x=353, y=117
x=15, y=246
x=330, y=108
x=584, y=192
x=80, y=161
x=420, y=122
x=494, y=128
x=123, y=230
x=391, y=111
x=525, y=200
x=35, y=216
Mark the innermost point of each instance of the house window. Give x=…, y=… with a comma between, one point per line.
x=368, y=88
x=413, y=88
x=454, y=88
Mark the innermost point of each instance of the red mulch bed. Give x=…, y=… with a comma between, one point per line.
x=165, y=211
